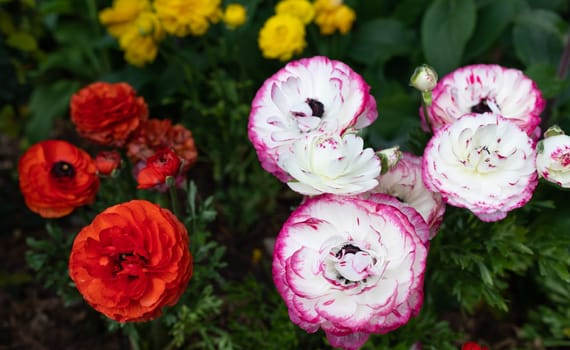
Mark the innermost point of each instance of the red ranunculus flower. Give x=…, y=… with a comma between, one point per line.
x=162, y=164
x=473, y=346
x=57, y=177
x=107, y=161
x=155, y=134
x=107, y=113
x=131, y=261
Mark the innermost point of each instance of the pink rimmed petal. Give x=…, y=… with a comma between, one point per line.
x=379, y=246
x=303, y=275
x=553, y=160
x=490, y=172
x=486, y=88
x=308, y=95
x=337, y=308
x=405, y=182
x=352, y=341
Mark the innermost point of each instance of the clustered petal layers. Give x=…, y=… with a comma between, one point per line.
x=405, y=182
x=56, y=177
x=482, y=162
x=335, y=257
x=131, y=261
x=351, y=267
x=486, y=88
x=553, y=160
x=308, y=99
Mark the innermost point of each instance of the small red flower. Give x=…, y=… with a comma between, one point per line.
x=107, y=161
x=162, y=164
x=473, y=346
x=107, y=113
x=131, y=261
x=155, y=134
x=56, y=177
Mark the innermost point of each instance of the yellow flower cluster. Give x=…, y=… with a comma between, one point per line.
x=234, y=16
x=283, y=34
x=140, y=25
x=333, y=15
x=136, y=27
x=184, y=17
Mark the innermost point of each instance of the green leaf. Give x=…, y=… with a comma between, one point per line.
x=46, y=104
x=492, y=21
x=446, y=28
x=22, y=41
x=485, y=274
x=379, y=40
x=544, y=75
x=538, y=37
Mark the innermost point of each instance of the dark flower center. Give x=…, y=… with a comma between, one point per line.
x=481, y=107
x=316, y=107
x=347, y=249
x=62, y=169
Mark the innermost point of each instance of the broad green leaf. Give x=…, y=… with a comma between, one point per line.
x=446, y=28
x=409, y=11
x=538, y=37
x=492, y=20
x=544, y=75
x=47, y=103
x=379, y=40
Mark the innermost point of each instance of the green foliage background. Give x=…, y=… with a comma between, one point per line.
x=505, y=284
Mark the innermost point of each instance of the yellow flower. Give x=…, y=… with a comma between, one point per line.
x=333, y=15
x=122, y=14
x=302, y=9
x=234, y=15
x=281, y=37
x=140, y=41
x=184, y=17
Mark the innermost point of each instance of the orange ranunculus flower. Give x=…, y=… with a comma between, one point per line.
x=131, y=261
x=158, y=167
x=107, y=162
x=155, y=134
x=57, y=177
x=107, y=113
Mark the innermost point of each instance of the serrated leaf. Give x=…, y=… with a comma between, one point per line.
x=446, y=28
x=485, y=274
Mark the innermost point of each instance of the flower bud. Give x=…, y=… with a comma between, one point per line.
x=108, y=163
x=234, y=16
x=554, y=130
x=553, y=158
x=389, y=158
x=424, y=78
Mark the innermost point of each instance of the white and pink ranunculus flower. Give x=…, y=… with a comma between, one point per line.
x=405, y=182
x=321, y=163
x=350, y=266
x=482, y=162
x=308, y=95
x=484, y=88
x=553, y=160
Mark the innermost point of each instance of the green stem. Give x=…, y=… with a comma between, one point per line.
x=174, y=200
x=134, y=343
x=426, y=116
